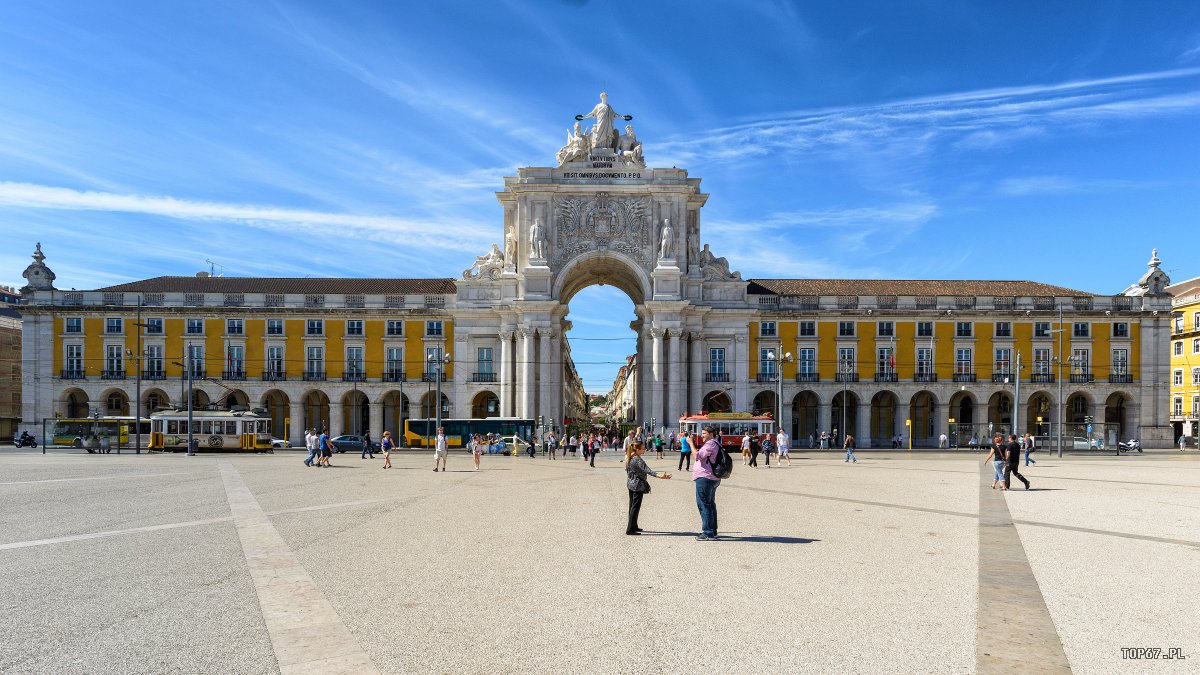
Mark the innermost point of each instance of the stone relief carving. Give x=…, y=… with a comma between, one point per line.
x=486, y=266
x=716, y=268
x=603, y=223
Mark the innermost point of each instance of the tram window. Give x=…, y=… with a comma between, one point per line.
x=183, y=426
x=172, y=426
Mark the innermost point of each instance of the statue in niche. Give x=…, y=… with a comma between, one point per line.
x=716, y=268
x=603, y=133
x=629, y=148
x=577, y=148
x=510, y=247
x=667, y=245
x=537, y=240
x=486, y=266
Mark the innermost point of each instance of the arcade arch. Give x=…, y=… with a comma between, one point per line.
x=717, y=402
x=154, y=399
x=316, y=410
x=883, y=421
x=923, y=412
x=805, y=410
x=844, y=414
x=278, y=406
x=74, y=404
x=395, y=411
x=485, y=404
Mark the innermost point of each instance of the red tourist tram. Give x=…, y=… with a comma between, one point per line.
x=730, y=425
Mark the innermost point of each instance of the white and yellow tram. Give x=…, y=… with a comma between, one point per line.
x=731, y=427
x=227, y=430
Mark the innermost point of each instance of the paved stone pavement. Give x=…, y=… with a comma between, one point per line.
x=900, y=563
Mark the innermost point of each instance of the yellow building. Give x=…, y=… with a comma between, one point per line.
x=1185, y=360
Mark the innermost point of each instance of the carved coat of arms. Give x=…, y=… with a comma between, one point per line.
x=603, y=223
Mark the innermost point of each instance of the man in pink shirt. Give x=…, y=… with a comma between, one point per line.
x=706, y=484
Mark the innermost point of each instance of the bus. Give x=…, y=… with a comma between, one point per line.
x=419, y=433
x=228, y=430
x=88, y=431
x=731, y=427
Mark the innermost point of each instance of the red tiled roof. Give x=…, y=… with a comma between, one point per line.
x=907, y=287
x=286, y=285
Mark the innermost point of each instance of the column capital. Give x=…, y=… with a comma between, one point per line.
x=657, y=333
x=507, y=334
x=695, y=336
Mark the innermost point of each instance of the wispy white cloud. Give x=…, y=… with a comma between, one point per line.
x=454, y=235
x=1050, y=185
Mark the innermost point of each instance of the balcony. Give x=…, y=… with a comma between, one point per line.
x=233, y=374
x=354, y=376
x=1042, y=378
x=73, y=374
x=154, y=374
x=1082, y=378
x=767, y=378
x=886, y=377
x=433, y=376
x=964, y=377
x=1001, y=378
x=1125, y=378
x=394, y=376
x=925, y=377
x=716, y=377
x=846, y=377
x=314, y=376
x=274, y=375
x=112, y=374
x=808, y=377
x=197, y=374
x=483, y=377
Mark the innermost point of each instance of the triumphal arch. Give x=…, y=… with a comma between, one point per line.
x=601, y=216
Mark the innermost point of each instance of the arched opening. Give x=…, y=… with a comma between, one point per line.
x=154, y=399
x=764, y=403
x=395, y=411
x=279, y=407
x=844, y=414
x=883, y=420
x=717, y=402
x=600, y=336
x=428, y=411
x=116, y=403
x=485, y=404
x=805, y=407
x=316, y=411
x=1078, y=409
x=235, y=399
x=356, y=412
x=200, y=400
x=1000, y=410
x=1039, y=408
x=75, y=404
x=923, y=412
x=1115, y=417
x=963, y=431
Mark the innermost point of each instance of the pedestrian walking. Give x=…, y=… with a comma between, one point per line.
x=636, y=472
x=768, y=447
x=746, y=448
x=326, y=445
x=685, y=451
x=755, y=448
x=366, y=447
x=1028, y=443
x=387, y=445
x=943, y=441
x=850, y=449
x=439, y=449
x=1014, y=461
x=310, y=442
x=996, y=455
x=783, y=447
x=706, y=484
x=477, y=444
x=658, y=446
x=553, y=444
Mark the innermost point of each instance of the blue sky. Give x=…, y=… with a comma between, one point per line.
x=1049, y=141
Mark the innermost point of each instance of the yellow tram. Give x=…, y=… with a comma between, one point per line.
x=216, y=430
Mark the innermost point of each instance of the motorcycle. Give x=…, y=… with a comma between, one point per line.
x=25, y=441
x=1129, y=446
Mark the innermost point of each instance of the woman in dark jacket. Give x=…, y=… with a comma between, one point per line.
x=636, y=471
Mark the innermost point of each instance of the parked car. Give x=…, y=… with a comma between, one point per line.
x=280, y=443
x=352, y=443
x=509, y=445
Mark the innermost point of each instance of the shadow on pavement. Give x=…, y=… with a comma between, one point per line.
x=760, y=538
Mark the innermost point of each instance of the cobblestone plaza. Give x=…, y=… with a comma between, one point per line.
x=900, y=563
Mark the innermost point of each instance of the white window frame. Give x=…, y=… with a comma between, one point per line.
x=394, y=328
x=1120, y=362
x=807, y=329
x=959, y=327
x=847, y=329
x=807, y=360
x=272, y=323
x=354, y=328
x=355, y=366
x=1041, y=361
x=716, y=361
x=434, y=328
x=924, y=361
x=886, y=329
x=109, y=323
x=235, y=327
x=768, y=329
x=1008, y=332
x=1003, y=362
x=314, y=327
x=78, y=325
x=189, y=324
x=964, y=360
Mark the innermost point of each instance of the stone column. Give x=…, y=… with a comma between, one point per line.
x=824, y=416
x=507, y=373
x=528, y=392
x=296, y=422
x=903, y=412
x=741, y=373
x=336, y=416
x=863, y=433
x=375, y=419
x=676, y=380
x=656, y=374
x=545, y=375
x=695, y=384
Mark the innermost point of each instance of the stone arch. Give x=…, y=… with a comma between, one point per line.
x=485, y=404
x=428, y=411
x=74, y=404
x=923, y=412
x=1078, y=406
x=1000, y=413
x=154, y=399
x=316, y=410
x=805, y=418
x=883, y=420
x=114, y=403
x=279, y=407
x=395, y=411
x=1116, y=417
x=717, y=401
x=962, y=410
x=1040, y=404
x=844, y=413
x=234, y=399
x=764, y=402
x=606, y=267
x=200, y=399
x=356, y=409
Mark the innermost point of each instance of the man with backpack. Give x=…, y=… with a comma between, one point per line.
x=712, y=463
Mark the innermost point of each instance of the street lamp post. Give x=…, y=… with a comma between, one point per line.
x=844, y=366
x=437, y=403
x=187, y=365
x=779, y=357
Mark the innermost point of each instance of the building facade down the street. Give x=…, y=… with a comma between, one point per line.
x=10, y=362
x=880, y=358
x=1185, y=360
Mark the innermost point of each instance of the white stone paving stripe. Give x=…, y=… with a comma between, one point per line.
x=114, y=477
x=110, y=533
x=306, y=632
